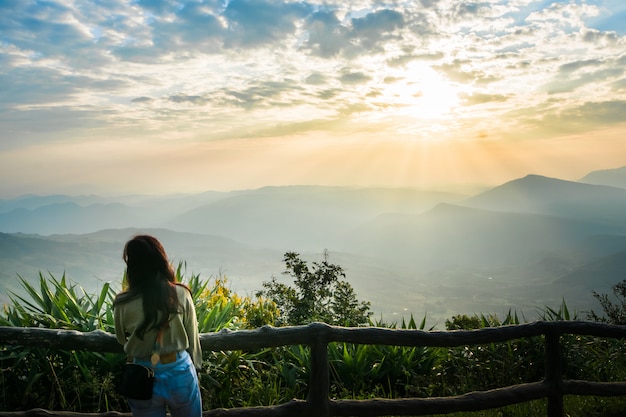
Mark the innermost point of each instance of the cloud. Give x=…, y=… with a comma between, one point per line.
x=187, y=99
x=260, y=94
x=565, y=15
x=587, y=115
x=405, y=59
x=478, y=98
x=142, y=100
x=462, y=71
x=619, y=85
x=598, y=113
x=581, y=73
x=374, y=30
x=254, y=23
x=597, y=37
x=354, y=78
x=158, y=7
x=326, y=36
x=209, y=70
x=570, y=67
x=315, y=78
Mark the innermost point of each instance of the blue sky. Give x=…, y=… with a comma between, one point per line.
x=183, y=96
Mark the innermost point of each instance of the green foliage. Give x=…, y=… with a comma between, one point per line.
x=363, y=371
x=614, y=312
x=218, y=308
x=53, y=379
x=84, y=381
x=465, y=322
x=319, y=294
x=493, y=365
x=60, y=305
x=563, y=313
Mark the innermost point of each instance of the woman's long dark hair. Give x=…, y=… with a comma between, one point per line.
x=149, y=275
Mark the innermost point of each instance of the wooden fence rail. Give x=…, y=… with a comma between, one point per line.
x=318, y=335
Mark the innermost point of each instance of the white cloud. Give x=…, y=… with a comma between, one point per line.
x=209, y=70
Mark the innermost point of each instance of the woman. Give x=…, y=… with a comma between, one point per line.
x=155, y=321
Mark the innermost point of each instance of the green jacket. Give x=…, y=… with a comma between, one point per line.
x=182, y=333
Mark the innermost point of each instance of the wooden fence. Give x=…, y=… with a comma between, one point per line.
x=318, y=335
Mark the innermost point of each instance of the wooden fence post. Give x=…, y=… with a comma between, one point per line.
x=319, y=381
x=554, y=373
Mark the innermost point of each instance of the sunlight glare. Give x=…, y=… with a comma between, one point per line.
x=422, y=93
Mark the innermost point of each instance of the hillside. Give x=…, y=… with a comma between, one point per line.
x=83, y=259
x=522, y=245
x=47, y=215
x=306, y=218
x=455, y=235
x=69, y=217
x=90, y=259
x=606, y=272
x=599, y=204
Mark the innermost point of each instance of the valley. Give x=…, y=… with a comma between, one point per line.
x=522, y=246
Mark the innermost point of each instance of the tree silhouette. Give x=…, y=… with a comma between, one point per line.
x=614, y=312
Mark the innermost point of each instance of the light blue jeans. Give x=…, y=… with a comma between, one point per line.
x=175, y=388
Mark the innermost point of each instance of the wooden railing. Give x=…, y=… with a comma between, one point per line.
x=318, y=335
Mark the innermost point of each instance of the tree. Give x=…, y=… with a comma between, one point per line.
x=347, y=310
x=614, y=312
x=319, y=294
x=464, y=322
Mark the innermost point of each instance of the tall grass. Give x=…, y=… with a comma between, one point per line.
x=54, y=379
x=84, y=381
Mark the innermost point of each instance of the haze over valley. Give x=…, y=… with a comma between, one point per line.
x=520, y=246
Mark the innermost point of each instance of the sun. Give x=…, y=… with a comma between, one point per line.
x=420, y=93
x=438, y=96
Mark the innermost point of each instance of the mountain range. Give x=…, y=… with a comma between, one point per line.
x=522, y=246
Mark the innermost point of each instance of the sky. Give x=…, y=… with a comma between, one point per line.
x=168, y=96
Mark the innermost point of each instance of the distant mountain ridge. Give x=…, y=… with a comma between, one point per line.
x=269, y=216
x=612, y=177
x=69, y=217
x=306, y=217
x=527, y=242
x=542, y=195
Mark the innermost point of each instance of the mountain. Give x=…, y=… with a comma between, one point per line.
x=521, y=245
x=90, y=259
x=598, y=204
x=451, y=235
x=576, y=285
x=31, y=202
x=87, y=214
x=69, y=217
x=612, y=177
x=503, y=247
x=270, y=216
x=176, y=202
x=301, y=217
x=83, y=259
